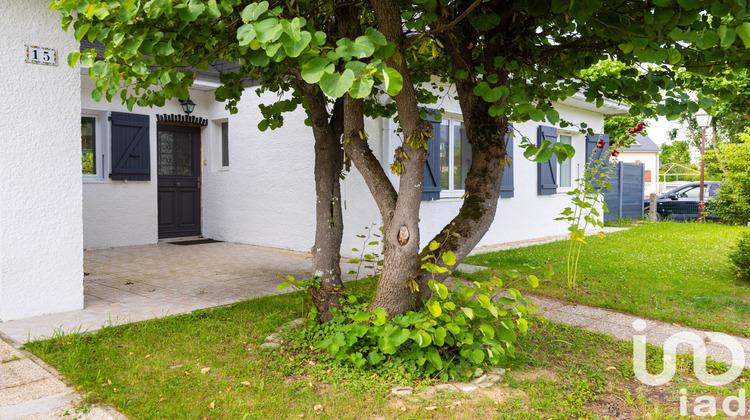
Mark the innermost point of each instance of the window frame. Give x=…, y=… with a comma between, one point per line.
x=575, y=164
x=450, y=192
x=101, y=146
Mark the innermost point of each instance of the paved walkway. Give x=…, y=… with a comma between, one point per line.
x=137, y=283
x=30, y=390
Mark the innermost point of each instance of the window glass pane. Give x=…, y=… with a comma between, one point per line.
x=444, y=139
x=565, y=167
x=88, y=145
x=458, y=173
x=225, y=144
x=694, y=192
x=175, y=153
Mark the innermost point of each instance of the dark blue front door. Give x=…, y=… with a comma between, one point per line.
x=179, y=181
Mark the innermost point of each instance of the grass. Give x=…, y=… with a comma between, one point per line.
x=159, y=369
x=676, y=272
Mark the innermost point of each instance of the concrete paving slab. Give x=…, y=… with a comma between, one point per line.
x=32, y=407
x=31, y=391
x=20, y=372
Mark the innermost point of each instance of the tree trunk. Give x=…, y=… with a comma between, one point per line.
x=329, y=226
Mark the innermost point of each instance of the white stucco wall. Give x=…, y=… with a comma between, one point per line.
x=41, y=254
x=122, y=213
x=266, y=196
x=651, y=162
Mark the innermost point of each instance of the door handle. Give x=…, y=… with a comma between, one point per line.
x=178, y=184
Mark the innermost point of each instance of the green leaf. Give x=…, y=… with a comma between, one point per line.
x=434, y=307
x=484, y=300
x=283, y=285
x=433, y=357
x=523, y=324
x=743, y=31
x=426, y=338
x=312, y=70
x=553, y=116
x=336, y=85
x=533, y=280
x=245, y=34
x=73, y=58
x=487, y=330
x=253, y=11
x=442, y=291
x=268, y=30
x=449, y=258
x=374, y=358
x=81, y=30
x=468, y=311
x=393, y=81
x=192, y=11
x=439, y=336
x=376, y=37
x=453, y=328
x=362, y=87
x=433, y=245
x=292, y=47
x=476, y=356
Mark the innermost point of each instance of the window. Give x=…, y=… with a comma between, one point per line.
x=455, y=155
x=88, y=145
x=566, y=173
x=94, y=146
x=225, y=144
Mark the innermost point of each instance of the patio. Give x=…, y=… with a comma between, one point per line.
x=136, y=283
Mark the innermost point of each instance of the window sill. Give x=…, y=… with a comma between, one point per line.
x=92, y=180
x=456, y=194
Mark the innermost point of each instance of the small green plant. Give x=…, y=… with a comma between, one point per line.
x=741, y=257
x=584, y=213
x=588, y=195
x=309, y=284
x=369, y=260
x=463, y=327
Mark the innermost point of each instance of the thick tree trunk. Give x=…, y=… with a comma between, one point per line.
x=486, y=136
x=329, y=226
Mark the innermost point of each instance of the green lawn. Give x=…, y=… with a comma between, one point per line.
x=158, y=369
x=677, y=272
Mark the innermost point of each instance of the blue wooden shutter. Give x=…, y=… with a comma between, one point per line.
x=547, y=171
x=131, y=158
x=431, y=185
x=592, y=153
x=506, y=188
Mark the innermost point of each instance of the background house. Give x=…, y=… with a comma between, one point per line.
x=82, y=174
x=647, y=152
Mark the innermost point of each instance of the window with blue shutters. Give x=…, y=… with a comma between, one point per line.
x=131, y=157
x=547, y=171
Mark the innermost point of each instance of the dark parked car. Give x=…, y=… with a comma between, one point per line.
x=681, y=203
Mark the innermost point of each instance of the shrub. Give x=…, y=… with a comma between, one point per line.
x=461, y=328
x=741, y=257
x=732, y=204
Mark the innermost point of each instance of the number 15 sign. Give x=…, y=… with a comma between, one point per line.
x=41, y=55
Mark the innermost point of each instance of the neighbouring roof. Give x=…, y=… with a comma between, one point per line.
x=211, y=75
x=643, y=144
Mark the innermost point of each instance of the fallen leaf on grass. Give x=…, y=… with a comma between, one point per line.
x=147, y=356
x=318, y=407
x=205, y=370
x=431, y=408
x=245, y=383
x=611, y=368
x=212, y=405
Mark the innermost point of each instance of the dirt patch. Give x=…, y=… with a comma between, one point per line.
x=611, y=407
x=535, y=375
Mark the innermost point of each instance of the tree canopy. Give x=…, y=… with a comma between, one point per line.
x=509, y=61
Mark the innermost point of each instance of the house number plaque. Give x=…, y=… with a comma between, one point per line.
x=41, y=55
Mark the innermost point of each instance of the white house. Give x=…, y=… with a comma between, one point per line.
x=644, y=151
x=212, y=174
